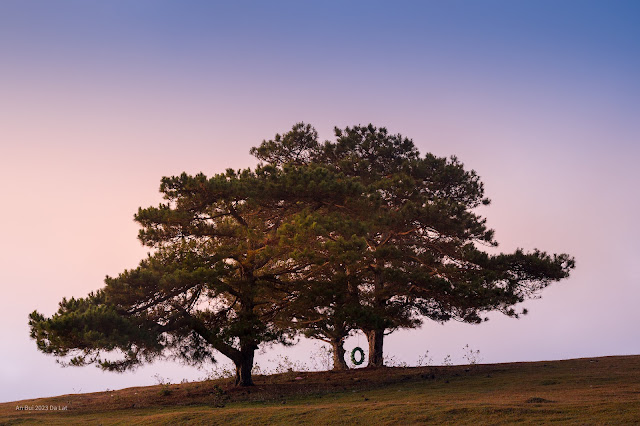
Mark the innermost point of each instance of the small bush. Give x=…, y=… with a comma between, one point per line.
x=537, y=400
x=220, y=397
x=165, y=390
x=424, y=360
x=472, y=356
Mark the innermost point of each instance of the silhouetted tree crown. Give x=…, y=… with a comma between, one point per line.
x=321, y=239
x=422, y=239
x=215, y=281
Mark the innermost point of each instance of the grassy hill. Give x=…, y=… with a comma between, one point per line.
x=581, y=391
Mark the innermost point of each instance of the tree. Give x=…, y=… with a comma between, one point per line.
x=219, y=274
x=423, y=256
x=363, y=233
x=325, y=304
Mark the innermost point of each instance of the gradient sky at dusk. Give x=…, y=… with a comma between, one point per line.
x=99, y=100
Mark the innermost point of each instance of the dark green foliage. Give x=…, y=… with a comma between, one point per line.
x=88, y=325
x=326, y=238
x=220, y=273
x=419, y=238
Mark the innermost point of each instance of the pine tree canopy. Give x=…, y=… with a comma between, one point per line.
x=320, y=238
x=421, y=236
x=219, y=273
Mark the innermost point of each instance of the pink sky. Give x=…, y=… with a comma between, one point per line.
x=96, y=109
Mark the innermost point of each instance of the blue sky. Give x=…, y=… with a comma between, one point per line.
x=101, y=99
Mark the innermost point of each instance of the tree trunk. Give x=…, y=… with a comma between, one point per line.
x=244, y=365
x=338, y=355
x=376, y=340
x=247, y=321
x=375, y=334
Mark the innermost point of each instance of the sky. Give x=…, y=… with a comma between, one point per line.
x=99, y=100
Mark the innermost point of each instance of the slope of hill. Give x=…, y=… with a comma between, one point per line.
x=581, y=391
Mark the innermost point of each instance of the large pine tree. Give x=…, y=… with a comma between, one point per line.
x=325, y=238
x=422, y=255
x=219, y=274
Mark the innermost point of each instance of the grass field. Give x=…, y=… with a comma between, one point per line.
x=581, y=391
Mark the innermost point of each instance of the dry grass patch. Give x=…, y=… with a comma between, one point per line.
x=584, y=391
